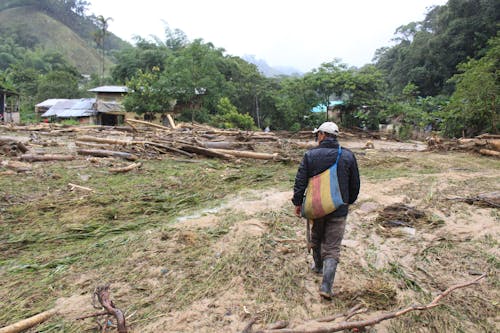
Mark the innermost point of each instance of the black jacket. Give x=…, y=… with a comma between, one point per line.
x=317, y=160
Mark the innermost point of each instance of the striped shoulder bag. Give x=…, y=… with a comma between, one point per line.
x=322, y=195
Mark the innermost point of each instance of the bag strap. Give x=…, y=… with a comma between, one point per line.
x=338, y=157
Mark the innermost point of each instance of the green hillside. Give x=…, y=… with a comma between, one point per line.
x=53, y=35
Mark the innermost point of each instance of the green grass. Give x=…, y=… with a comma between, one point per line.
x=57, y=243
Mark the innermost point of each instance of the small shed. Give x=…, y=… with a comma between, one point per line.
x=81, y=110
x=42, y=107
x=9, y=105
x=109, y=107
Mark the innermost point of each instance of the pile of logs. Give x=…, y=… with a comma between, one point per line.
x=485, y=144
x=139, y=140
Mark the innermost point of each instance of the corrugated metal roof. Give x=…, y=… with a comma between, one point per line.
x=111, y=89
x=50, y=102
x=72, y=108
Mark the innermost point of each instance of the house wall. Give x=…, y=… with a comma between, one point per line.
x=110, y=97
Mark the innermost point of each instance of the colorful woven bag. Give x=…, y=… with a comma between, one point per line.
x=323, y=195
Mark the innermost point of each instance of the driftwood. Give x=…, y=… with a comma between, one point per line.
x=126, y=169
x=491, y=199
x=107, y=153
x=102, y=294
x=347, y=325
x=46, y=158
x=29, y=322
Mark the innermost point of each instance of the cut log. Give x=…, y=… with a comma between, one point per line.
x=29, y=322
x=248, y=154
x=45, y=158
x=126, y=169
x=107, y=153
x=489, y=152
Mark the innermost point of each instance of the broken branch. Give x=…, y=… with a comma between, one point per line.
x=345, y=325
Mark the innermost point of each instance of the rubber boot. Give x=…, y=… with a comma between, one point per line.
x=317, y=267
x=329, y=268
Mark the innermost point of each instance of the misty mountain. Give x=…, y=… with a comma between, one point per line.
x=269, y=71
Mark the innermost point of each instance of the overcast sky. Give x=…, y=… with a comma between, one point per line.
x=299, y=33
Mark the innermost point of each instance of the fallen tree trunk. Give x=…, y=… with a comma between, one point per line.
x=206, y=152
x=29, y=322
x=87, y=138
x=489, y=152
x=248, y=154
x=45, y=158
x=107, y=153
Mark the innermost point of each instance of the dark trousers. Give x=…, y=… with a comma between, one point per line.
x=327, y=233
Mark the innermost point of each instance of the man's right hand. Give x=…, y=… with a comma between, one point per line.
x=297, y=211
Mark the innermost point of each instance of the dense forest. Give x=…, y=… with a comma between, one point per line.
x=441, y=74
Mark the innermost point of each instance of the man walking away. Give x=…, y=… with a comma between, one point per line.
x=327, y=231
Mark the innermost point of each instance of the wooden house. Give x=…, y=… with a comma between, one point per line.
x=9, y=106
x=109, y=107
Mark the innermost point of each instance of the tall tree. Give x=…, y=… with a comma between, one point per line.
x=474, y=107
x=100, y=36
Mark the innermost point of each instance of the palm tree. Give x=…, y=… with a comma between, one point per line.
x=99, y=36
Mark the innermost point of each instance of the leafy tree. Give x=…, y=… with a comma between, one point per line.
x=474, y=106
x=228, y=116
x=144, y=56
x=294, y=102
x=148, y=93
x=194, y=76
x=57, y=84
x=427, y=53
